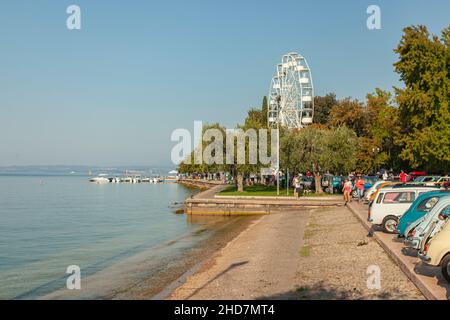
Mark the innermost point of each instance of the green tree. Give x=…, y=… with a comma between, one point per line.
x=350, y=113
x=319, y=150
x=322, y=108
x=424, y=67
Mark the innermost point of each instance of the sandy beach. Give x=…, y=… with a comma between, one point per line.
x=320, y=253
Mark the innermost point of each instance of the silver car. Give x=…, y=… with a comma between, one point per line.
x=427, y=226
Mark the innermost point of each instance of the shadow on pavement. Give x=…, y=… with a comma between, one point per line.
x=319, y=291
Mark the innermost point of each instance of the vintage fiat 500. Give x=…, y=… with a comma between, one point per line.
x=427, y=226
x=392, y=202
x=423, y=204
x=436, y=252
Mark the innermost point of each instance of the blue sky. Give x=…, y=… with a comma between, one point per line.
x=112, y=92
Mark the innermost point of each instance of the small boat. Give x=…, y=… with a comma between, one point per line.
x=99, y=179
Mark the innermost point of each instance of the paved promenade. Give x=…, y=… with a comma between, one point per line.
x=208, y=202
x=428, y=279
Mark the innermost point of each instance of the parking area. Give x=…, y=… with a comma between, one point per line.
x=428, y=279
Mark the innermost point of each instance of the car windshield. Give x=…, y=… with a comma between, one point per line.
x=427, y=204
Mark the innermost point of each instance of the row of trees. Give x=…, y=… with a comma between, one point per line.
x=406, y=129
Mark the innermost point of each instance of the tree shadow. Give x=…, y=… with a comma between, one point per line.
x=230, y=267
x=319, y=291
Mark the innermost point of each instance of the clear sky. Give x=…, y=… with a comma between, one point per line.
x=112, y=92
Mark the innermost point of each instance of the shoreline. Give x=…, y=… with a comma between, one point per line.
x=140, y=278
x=295, y=255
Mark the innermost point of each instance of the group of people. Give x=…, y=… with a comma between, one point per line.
x=348, y=187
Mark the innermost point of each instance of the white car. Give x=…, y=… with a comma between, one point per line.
x=392, y=202
x=372, y=190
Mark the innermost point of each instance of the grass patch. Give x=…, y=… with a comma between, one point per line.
x=260, y=190
x=303, y=293
x=305, y=251
x=309, y=233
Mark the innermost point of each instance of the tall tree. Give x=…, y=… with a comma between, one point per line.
x=424, y=67
x=350, y=113
x=322, y=107
x=264, y=110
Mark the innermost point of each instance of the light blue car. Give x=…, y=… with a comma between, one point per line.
x=420, y=207
x=428, y=225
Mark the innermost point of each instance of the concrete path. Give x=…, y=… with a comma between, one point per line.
x=428, y=279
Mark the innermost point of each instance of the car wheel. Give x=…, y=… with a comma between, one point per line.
x=390, y=224
x=446, y=267
x=355, y=194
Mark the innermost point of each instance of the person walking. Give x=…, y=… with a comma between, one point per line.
x=297, y=186
x=347, y=188
x=359, y=184
x=385, y=175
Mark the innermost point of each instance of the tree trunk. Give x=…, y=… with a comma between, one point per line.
x=240, y=182
x=317, y=179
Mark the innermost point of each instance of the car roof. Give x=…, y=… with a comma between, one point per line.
x=410, y=187
x=434, y=193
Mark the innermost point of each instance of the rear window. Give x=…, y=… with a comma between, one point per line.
x=427, y=204
x=399, y=197
x=446, y=211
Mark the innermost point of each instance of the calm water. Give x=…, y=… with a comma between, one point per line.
x=48, y=223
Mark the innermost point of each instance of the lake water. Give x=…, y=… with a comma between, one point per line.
x=48, y=223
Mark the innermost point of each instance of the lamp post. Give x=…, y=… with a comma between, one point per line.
x=375, y=151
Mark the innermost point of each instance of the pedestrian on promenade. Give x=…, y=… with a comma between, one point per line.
x=346, y=190
x=359, y=184
x=297, y=186
x=385, y=175
x=403, y=176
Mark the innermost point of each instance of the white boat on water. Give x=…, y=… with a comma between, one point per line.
x=101, y=178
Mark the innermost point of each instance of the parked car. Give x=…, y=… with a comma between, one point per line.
x=369, y=181
x=427, y=225
x=370, y=194
x=392, y=202
x=413, y=175
x=423, y=204
x=427, y=180
x=443, y=181
x=437, y=251
x=306, y=182
x=331, y=183
x=372, y=190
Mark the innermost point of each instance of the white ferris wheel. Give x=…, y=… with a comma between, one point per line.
x=291, y=95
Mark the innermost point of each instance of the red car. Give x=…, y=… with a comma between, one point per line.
x=413, y=175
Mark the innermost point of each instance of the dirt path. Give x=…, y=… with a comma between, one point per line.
x=303, y=254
